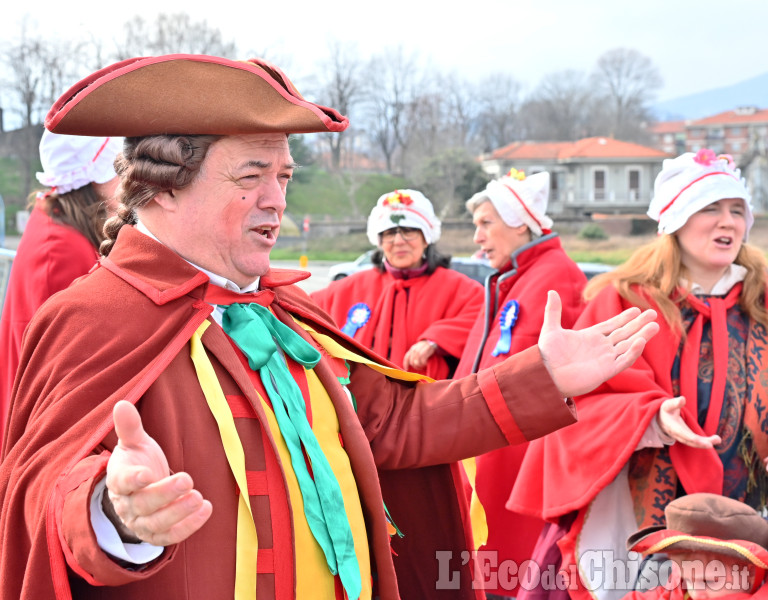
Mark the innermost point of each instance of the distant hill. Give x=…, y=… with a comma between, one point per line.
x=752, y=92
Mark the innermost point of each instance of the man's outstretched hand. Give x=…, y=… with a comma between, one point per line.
x=580, y=360
x=144, y=501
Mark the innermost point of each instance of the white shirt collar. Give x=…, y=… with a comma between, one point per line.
x=215, y=279
x=733, y=275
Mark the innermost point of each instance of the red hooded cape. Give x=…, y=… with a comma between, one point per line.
x=50, y=256
x=565, y=471
x=541, y=266
x=440, y=307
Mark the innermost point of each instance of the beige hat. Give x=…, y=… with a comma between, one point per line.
x=519, y=200
x=692, y=181
x=706, y=522
x=403, y=208
x=188, y=94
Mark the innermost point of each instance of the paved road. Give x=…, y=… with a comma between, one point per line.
x=318, y=269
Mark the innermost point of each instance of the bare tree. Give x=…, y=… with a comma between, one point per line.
x=171, y=34
x=391, y=90
x=448, y=178
x=499, y=97
x=36, y=71
x=628, y=80
x=558, y=109
x=341, y=87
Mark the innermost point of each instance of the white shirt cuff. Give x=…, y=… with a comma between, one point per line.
x=108, y=538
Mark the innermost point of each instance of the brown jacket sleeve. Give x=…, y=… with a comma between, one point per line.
x=444, y=421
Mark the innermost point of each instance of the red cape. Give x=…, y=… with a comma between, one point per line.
x=440, y=307
x=541, y=267
x=565, y=471
x=50, y=256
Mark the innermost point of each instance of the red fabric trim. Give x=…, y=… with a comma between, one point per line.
x=241, y=407
x=671, y=202
x=219, y=295
x=282, y=525
x=486, y=379
x=265, y=561
x=257, y=483
x=104, y=145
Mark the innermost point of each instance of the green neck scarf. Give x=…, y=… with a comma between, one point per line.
x=257, y=332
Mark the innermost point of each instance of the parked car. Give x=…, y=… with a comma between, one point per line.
x=341, y=270
x=590, y=269
x=475, y=268
x=472, y=266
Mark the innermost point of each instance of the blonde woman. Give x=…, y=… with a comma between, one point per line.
x=689, y=416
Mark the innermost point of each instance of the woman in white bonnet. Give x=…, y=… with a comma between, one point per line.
x=690, y=415
x=513, y=230
x=61, y=240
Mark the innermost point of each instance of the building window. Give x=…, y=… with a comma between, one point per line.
x=598, y=184
x=634, y=185
x=735, y=131
x=735, y=146
x=554, y=187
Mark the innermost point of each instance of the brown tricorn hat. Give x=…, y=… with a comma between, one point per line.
x=188, y=94
x=707, y=523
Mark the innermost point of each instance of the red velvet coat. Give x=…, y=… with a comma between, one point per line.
x=49, y=257
x=440, y=307
x=541, y=266
x=122, y=333
x=566, y=471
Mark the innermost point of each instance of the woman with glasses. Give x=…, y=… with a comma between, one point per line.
x=411, y=308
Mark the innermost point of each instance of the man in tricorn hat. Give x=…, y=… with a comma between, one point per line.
x=187, y=424
x=714, y=546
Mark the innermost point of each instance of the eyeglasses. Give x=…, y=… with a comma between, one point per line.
x=407, y=233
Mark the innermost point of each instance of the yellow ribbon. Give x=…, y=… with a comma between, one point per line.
x=338, y=351
x=247, y=540
x=476, y=511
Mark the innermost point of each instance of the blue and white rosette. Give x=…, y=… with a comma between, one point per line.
x=507, y=321
x=357, y=316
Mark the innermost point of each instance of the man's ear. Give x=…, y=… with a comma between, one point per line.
x=166, y=200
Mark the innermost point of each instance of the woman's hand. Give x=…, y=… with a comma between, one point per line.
x=671, y=422
x=418, y=354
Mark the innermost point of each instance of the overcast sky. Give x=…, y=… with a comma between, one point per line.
x=697, y=45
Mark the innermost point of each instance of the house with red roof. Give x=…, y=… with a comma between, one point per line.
x=668, y=136
x=735, y=132
x=742, y=133
x=591, y=175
